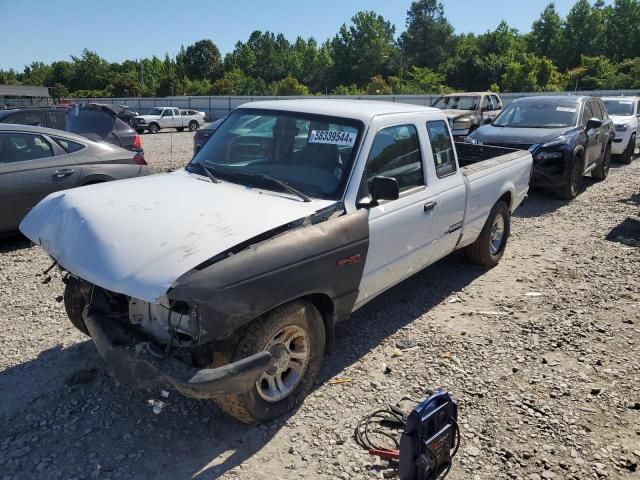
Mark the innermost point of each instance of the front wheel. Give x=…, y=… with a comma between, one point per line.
x=627, y=155
x=193, y=126
x=154, y=128
x=573, y=181
x=489, y=247
x=294, y=335
x=74, y=303
x=601, y=172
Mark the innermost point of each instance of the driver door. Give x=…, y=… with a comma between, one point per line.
x=591, y=147
x=399, y=230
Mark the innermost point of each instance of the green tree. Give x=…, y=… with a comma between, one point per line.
x=201, y=60
x=347, y=90
x=546, y=34
x=361, y=50
x=623, y=30
x=125, y=85
x=58, y=92
x=290, y=87
x=428, y=40
x=36, y=74
x=424, y=80
x=532, y=74
x=91, y=72
x=378, y=86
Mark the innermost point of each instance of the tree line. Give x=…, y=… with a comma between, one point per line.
x=597, y=46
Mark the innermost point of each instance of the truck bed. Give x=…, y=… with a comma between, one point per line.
x=475, y=158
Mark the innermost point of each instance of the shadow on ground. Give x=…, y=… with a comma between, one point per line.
x=13, y=242
x=68, y=388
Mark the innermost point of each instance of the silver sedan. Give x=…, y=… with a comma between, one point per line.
x=37, y=161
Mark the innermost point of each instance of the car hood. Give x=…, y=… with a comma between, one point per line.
x=148, y=117
x=529, y=136
x=623, y=119
x=138, y=236
x=456, y=113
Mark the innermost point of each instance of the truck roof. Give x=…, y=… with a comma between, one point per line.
x=363, y=110
x=468, y=94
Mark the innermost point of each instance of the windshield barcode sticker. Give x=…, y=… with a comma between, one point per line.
x=566, y=109
x=332, y=137
x=625, y=102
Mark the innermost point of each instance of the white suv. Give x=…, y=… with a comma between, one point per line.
x=625, y=113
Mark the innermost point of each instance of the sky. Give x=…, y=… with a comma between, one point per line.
x=128, y=29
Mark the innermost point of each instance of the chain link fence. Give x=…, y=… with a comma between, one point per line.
x=217, y=107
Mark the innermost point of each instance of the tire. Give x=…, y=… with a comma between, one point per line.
x=267, y=400
x=180, y=129
x=154, y=128
x=627, y=155
x=601, y=172
x=139, y=131
x=490, y=245
x=573, y=182
x=193, y=126
x=74, y=303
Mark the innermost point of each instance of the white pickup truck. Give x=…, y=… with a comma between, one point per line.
x=168, y=117
x=225, y=279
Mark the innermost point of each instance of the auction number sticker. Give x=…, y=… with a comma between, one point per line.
x=332, y=137
x=566, y=109
x=625, y=102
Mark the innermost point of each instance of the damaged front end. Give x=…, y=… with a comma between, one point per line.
x=153, y=345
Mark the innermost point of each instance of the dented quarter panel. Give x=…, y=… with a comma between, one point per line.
x=327, y=258
x=136, y=237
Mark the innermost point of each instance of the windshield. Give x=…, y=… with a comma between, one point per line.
x=459, y=102
x=308, y=152
x=155, y=111
x=623, y=108
x=540, y=114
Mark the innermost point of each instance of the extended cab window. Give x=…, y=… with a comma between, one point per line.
x=395, y=153
x=20, y=147
x=442, y=148
x=496, y=102
x=486, y=103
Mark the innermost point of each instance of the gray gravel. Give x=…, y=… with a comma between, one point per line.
x=547, y=385
x=167, y=149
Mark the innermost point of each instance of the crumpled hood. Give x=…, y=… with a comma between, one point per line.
x=452, y=114
x=622, y=119
x=138, y=236
x=530, y=136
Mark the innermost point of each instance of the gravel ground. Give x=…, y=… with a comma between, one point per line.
x=541, y=353
x=167, y=150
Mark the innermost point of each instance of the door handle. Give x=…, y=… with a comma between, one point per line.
x=63, y=173
x=430, y=206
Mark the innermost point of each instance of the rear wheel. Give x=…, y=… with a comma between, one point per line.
x=573, y=182
x=489, y=247
x=602, y=170
x=294, y=334
x=627, y=155
x=154, y=128
x=193, y=126
x=74, y=303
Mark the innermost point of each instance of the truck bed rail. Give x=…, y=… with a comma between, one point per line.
x=474, y=158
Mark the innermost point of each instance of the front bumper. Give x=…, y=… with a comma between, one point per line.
x=133, y=364
x=551, y=173
x=620, y=142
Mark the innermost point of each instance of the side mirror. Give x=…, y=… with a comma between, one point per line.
x=487, y=121
x=384, y=188
x=593, y=123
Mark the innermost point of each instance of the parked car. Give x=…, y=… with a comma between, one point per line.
x=569, y=137
x=168, y=117
x=469, y=111
x=203, y=134
x=225, y=279
x=625, y=114
x=36, y=161
x=103, y=122
x=49, y=116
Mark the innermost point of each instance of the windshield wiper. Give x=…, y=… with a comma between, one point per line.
x=210, y=172
x=275, y=181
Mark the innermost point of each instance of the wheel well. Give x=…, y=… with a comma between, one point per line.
x=324, y=304
x=507, y=199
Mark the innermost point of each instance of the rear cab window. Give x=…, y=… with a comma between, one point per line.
x=442, y=148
